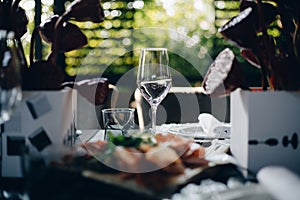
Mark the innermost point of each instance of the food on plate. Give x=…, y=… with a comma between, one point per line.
x=166, y=150
x=145, y=161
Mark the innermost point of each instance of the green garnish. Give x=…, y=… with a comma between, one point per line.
x=126, y=141
x=132, y=140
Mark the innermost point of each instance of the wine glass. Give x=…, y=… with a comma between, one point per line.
x=10, y=82
x=154, y=78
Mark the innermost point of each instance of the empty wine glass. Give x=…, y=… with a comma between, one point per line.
x=154, y=78
x=10, y=82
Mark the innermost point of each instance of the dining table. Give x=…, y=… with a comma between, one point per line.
x=74, y=184
x=220, y=177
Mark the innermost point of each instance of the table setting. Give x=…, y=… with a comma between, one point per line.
x=151, y=162
x=150, y=169
x=169, y=161
x=145, y=163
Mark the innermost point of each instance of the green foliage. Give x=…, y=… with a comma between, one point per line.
x=114, y=47
x=186, y=27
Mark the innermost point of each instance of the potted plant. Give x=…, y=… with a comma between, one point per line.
x=265, y=127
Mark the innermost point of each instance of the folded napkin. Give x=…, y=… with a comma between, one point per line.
x=212, y=126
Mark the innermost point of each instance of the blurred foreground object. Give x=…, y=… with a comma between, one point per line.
x=280, y=182
x=10, y=61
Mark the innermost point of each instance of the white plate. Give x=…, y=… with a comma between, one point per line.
x=194, y=130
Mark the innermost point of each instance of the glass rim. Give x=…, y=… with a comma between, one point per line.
x=117, y=109
x=154, y=49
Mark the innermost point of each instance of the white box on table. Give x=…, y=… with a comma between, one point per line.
x=259, y=120
x=41, y=119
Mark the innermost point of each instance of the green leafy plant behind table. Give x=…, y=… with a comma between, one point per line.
x=63, y=36
x=267, y=34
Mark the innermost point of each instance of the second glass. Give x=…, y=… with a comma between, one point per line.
x=154, y=78
x=118, y=120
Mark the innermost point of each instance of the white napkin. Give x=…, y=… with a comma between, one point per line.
x=208, y=122
x=212, y=126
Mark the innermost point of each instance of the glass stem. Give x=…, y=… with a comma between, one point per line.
x=153, y=109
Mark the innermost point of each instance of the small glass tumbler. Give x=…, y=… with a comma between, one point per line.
x=117, y=121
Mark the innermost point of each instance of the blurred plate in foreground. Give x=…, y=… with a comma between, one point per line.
x=194, y=130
